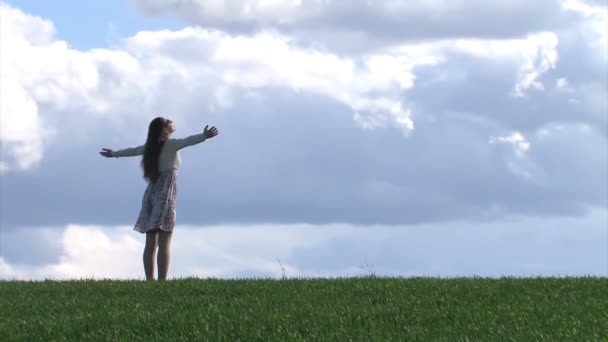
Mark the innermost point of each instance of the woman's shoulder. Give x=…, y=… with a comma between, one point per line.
x=171, y=143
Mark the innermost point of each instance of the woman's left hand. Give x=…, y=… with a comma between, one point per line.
x=210, y=133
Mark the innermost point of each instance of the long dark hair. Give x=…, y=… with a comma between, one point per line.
x=154, y=144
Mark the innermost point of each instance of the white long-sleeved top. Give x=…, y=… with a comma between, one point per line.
x=169, y=154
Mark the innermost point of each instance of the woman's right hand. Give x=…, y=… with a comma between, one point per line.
x=106, y=152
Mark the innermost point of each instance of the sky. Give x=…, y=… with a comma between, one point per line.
x=395, y=138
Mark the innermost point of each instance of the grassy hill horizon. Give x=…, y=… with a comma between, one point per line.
x=359, y=308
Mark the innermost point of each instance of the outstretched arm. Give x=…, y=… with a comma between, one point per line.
x=196, y=138
x=127, y=152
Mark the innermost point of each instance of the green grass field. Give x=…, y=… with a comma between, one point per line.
x=339, y=309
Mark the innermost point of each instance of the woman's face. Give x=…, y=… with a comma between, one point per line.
x=170, y=126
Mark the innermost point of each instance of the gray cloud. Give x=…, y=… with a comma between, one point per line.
x=361, y=20
x=30, y=246
x=301, y=158
x=359, y=26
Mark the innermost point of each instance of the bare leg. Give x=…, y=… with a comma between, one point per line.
x=164, y=253
x=149, y=251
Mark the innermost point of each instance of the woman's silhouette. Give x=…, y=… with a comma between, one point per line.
x=160, y=164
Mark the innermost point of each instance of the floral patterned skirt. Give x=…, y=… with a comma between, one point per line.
x=158, y=204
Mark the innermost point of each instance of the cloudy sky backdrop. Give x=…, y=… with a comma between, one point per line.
x=403, y=138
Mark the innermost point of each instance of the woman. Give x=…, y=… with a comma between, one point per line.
x=160, y=163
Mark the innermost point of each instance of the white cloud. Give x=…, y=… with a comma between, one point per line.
x=21, y=129
x=540, y=56
x=43, y=72
x=271, y=60
x=562, y=85
x=595, y=23
x=515, y=246
x=371, y=84
x=43, y=78
x=90, y=252
x=519, y=142
x=225, y=251
x=531, y=56
x=8, y=272
x=47, y=79
x=86, y=252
